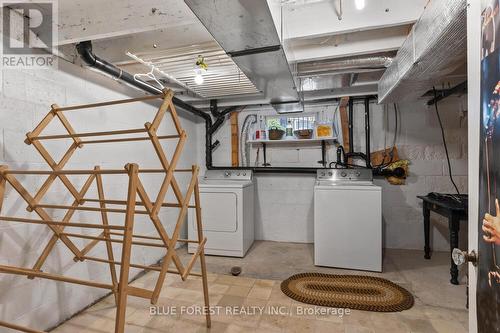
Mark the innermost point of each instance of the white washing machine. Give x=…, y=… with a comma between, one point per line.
x=227, y=210
x=347, y=220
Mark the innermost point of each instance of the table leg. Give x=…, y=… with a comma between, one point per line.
x=427, y=228
x=264, y=152
x=454, y=224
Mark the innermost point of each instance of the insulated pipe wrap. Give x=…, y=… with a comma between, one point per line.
x=333, y=66
x=245, y=151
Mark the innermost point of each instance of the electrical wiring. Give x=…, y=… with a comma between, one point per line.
x=347, y=165
x=444, y=141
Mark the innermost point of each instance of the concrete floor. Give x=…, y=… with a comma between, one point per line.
x=439, y=306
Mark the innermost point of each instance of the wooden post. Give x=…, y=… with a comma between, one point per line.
x=126, y=249
x=344, y=120
x=235, y=144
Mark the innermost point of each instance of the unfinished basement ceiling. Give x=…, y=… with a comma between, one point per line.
x=222, y=78
x=170, y=36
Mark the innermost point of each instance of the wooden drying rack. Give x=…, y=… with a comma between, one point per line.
x=109, y=233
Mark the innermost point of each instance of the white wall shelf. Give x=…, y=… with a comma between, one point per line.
x=316, y=141
x=294, y=140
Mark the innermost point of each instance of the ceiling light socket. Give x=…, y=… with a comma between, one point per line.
x=360, y=4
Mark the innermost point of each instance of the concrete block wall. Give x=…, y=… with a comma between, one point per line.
x=284, y=203
x=419, y=140
x=25, y=98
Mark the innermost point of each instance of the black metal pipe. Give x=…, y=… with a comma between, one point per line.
x=323, y=154
x=214, y=110
x=216, y=125
x=367, y=133
x=271, y=169
x=458, y=89
x=398, y=172
x=341, y=156
x=85, y=51
x=229, y=110
x=264, y=152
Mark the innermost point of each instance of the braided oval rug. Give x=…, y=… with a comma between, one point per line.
x=347, y=291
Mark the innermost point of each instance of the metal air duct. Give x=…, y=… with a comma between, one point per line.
x=246, y=31
x=435, y=47
x=331, y=67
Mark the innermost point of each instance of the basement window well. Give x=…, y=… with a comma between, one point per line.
x=297, y=123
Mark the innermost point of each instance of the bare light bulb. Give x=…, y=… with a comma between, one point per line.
x=198, y=79
x=360, y=4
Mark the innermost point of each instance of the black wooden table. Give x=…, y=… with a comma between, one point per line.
x=455, y=211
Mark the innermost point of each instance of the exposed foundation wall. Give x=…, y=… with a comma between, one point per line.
x=284, y=202
x=25, y=99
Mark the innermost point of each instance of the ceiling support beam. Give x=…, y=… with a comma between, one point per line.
x=322, y=17
x=96, y=19
x=349, y=45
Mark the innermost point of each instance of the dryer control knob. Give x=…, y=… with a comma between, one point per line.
x=227, y=174
x=343, y=174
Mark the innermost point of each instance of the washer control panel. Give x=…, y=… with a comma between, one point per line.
x=228, y=175
x=344, y=175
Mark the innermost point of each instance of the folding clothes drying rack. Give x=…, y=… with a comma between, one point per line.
x=111, y=233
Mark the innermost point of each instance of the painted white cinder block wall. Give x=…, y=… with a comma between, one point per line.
x=25, y=98
x=284, y=203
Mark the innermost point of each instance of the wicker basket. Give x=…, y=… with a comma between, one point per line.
x=276, y=133
x=303, y=134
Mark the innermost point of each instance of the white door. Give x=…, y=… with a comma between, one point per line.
x=484, y=164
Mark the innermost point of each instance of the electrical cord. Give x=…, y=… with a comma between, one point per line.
x=444, y=141
x=347, y=166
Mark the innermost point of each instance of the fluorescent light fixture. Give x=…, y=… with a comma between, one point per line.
x=360, y=4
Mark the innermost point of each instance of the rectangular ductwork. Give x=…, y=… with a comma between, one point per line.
x=436, y=47
x=246, y=31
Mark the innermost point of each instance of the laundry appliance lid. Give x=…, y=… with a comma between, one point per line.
x=219, y=183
